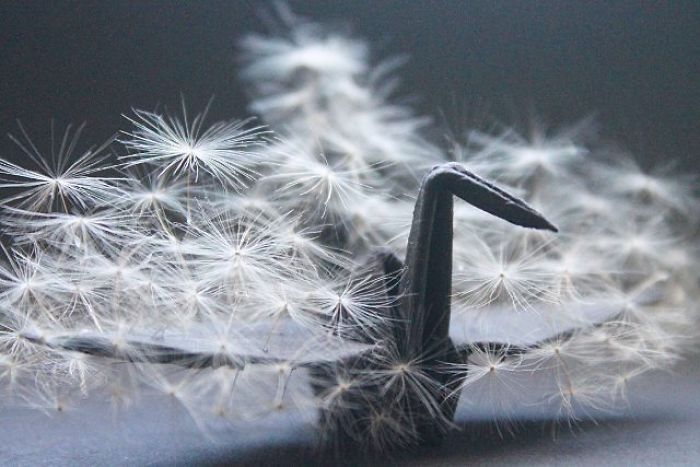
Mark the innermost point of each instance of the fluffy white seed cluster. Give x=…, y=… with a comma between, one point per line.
x=242, y=252
x=619, y=283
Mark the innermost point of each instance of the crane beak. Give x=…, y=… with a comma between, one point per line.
x=489, y=198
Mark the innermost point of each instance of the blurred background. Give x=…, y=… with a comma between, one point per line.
x=634, y=65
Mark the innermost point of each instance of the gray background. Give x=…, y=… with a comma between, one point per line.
x=633, y=63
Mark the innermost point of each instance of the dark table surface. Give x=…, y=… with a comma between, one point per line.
x=661, y=427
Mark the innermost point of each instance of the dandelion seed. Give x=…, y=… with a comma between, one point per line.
x=513, y=273
x=61, y=180
x=319, y=185
x=229, y=152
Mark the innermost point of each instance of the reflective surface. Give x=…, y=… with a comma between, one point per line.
x=660, y=428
